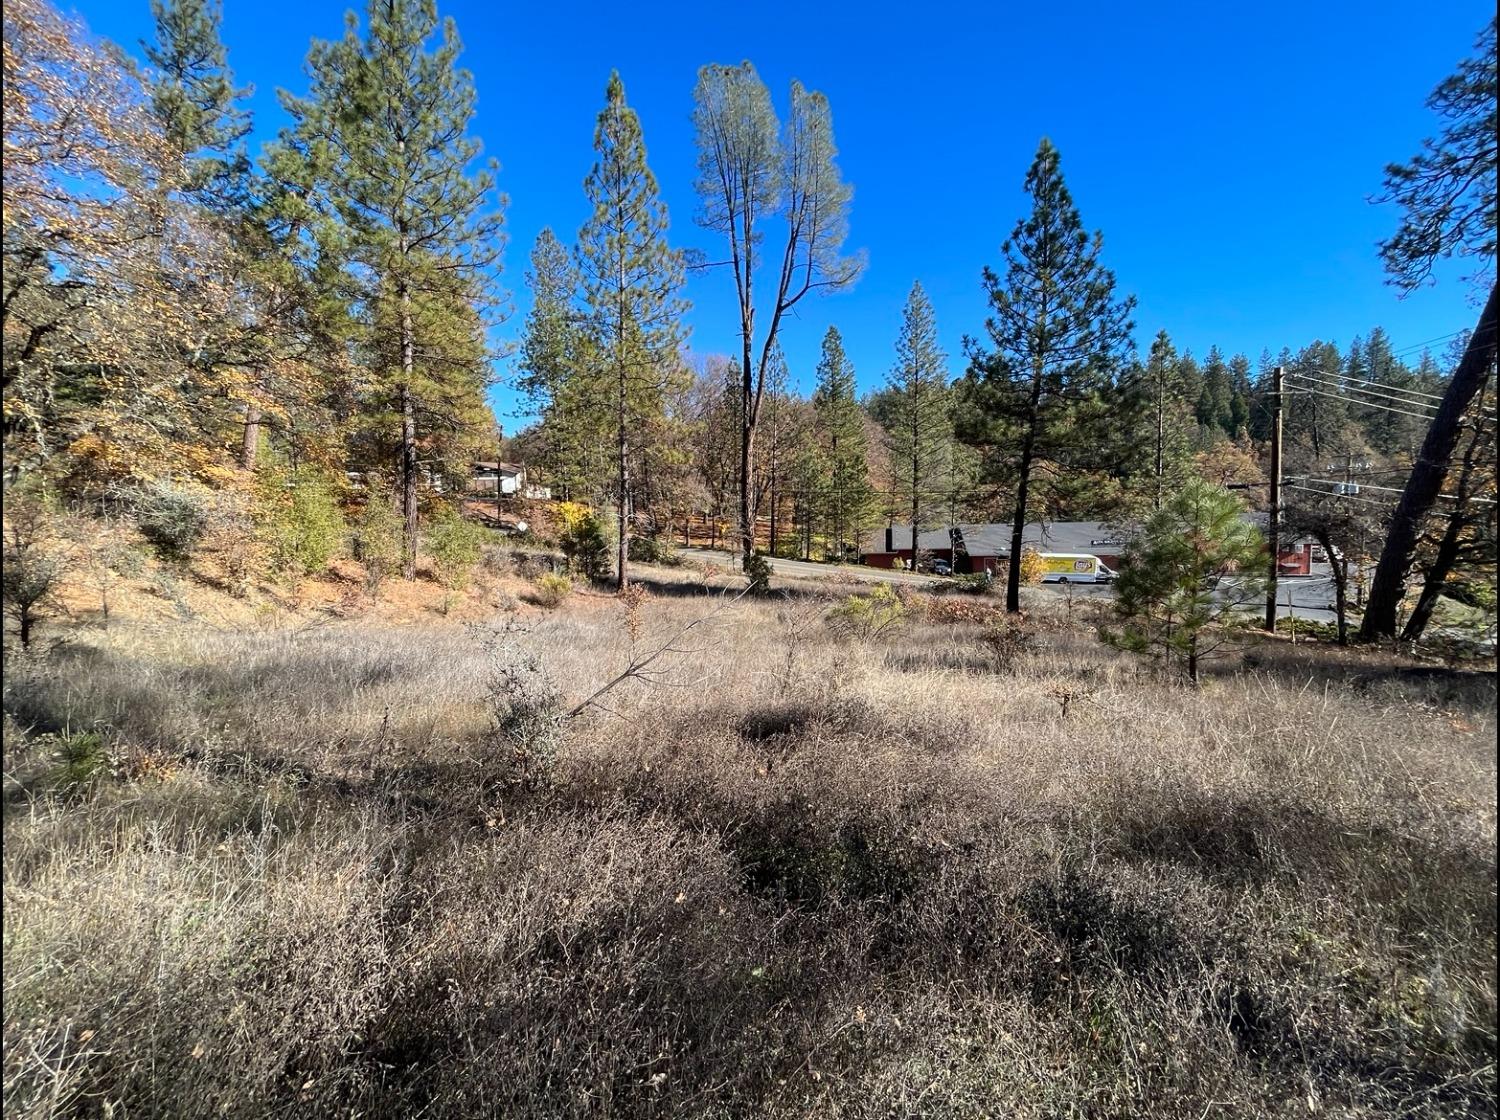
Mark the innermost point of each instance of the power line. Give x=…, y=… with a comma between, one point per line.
x=1330, y=383
x=1341, y=497
x=1365, y=404
x=1423, y=345
x=1383, y=387
x=1398, y=490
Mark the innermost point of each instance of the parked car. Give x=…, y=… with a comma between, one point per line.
x=941, y=568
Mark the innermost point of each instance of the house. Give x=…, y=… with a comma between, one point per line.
x=506, y=479
x=975, y=548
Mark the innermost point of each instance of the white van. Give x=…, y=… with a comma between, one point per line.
x=1074, y=567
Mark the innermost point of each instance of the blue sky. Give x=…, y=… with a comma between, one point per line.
x=1226, y=151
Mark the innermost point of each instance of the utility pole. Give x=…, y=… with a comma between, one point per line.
x=1273, y=527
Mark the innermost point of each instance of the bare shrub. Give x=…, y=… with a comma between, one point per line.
x=1008, y=638
x=526, y=711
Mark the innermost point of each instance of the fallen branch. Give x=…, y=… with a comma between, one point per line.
x=643, y=667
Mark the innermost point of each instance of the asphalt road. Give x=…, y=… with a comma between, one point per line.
x=1309, y=597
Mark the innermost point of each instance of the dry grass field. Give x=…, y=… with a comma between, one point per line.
x=360, y=869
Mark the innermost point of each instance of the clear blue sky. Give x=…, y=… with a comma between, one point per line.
x=1226, y=151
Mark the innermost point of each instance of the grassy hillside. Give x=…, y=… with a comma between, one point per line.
x=355, y=868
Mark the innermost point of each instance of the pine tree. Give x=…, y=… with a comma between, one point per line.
x=845, y=489
x=630, y=281
x=1057, y=333
x=920, y=428
x=1240, y=397
x=193, y=95
x=1161, y=395
x=422, y=229
x=1214, y=408
x=782, y=435
x=1447, y=193
x=1188, y=571
x=561, y=375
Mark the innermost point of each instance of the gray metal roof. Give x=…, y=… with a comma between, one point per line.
x=993, y=538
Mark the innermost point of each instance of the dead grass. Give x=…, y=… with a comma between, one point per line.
x=799, y=877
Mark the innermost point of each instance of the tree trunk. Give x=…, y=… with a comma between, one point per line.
x=1427, y=477
x=1432, y=587
x=1018, y=526
x=622, y=569
x=1340, y=569
x=1018, y=529
x=916, y=503
x=250, y=445
x=775, y=497
x=408, y=484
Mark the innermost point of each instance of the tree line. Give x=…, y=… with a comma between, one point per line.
x=178, y=313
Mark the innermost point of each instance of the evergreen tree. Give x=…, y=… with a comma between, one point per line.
x=1389, y=433
x=845, y=489
x=1191, y=567
x=1215, y=401
x=1161, y=398
x=561, y=375
x=782, y=433
x=1240, y=395
x=422, y=229
x=1057, y=333
x=1447, y=193
x=630, y=284
x=920, y=428
x=193, y=95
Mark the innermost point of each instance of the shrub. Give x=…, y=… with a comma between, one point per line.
x=758, y=573
x=1308, y=628
x=32, y=568
x=652, y=549
x=582, y=540
x=456, y=546
x=1033, y=568
x=868, y=616
x=552, y=589
x=958, y=611
x=299, y=521
x=526, y=714
x=975, y=584
x=376, y=541
x=1007, y=637
x=173, y=517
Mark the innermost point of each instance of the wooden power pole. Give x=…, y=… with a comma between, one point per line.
x=1273, y=527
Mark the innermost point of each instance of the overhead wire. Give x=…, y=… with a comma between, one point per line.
x=1393, y=490
x=1332, y=383
x=1366, y=404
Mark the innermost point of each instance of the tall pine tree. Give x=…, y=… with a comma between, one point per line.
x=630, y=282
x=194, y=96
x=845, y=489
x=1161, y=397
x=423, y=229
x=920, y=428
x=1057, y=333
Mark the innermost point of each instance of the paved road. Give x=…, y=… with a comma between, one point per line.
x=1309, y=597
